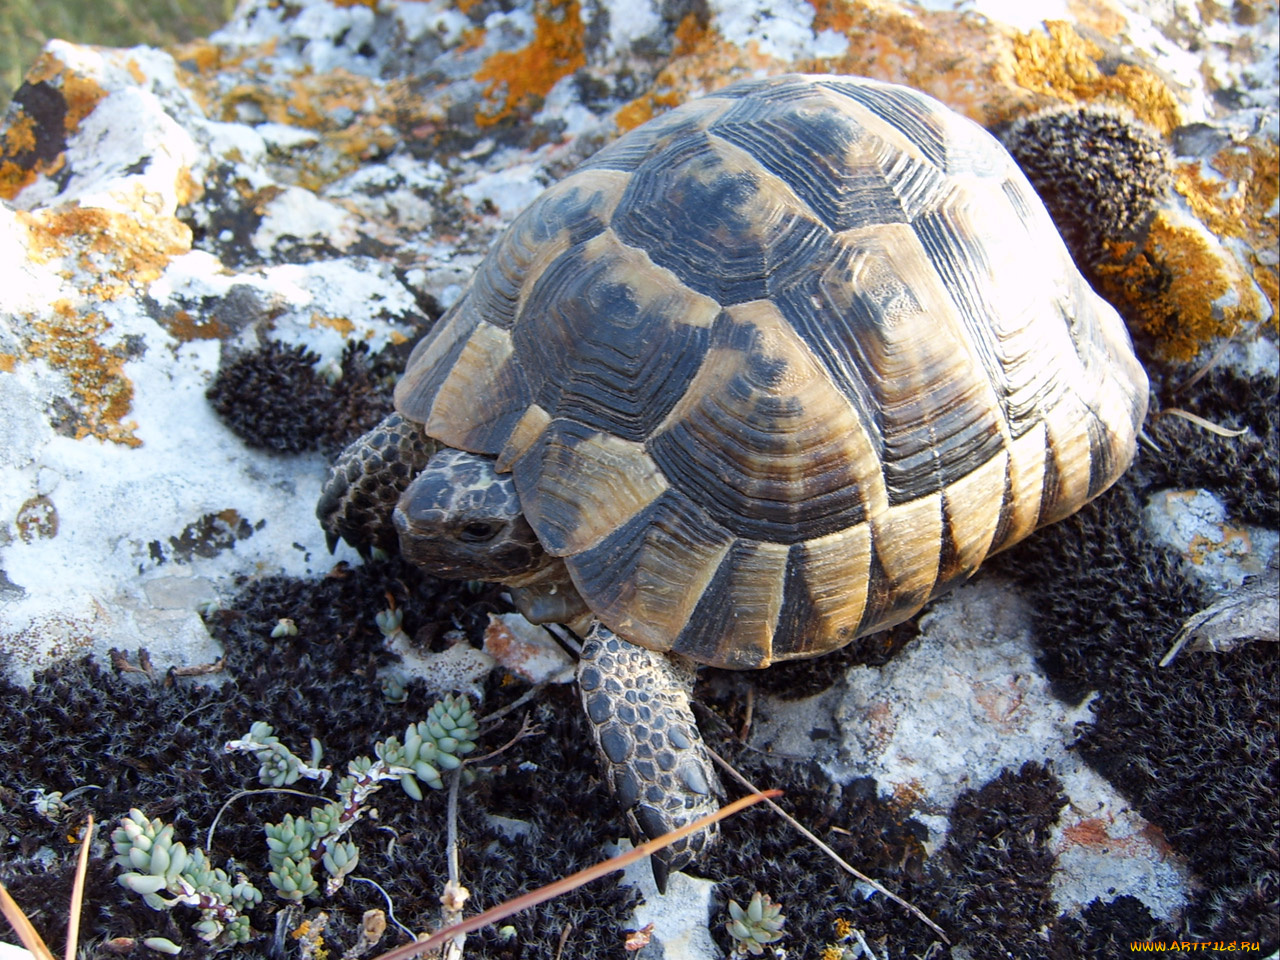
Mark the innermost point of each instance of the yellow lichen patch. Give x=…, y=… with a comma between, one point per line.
x=1100, y=16
x=371, y=4
x=523, y=77
x=701, y=63
x=20, y=136
x=80, y=93
x=958, y=58
x=1235, y=198
x=645, y=108
x=694, y=42
x=335, y=106
x=8, y=362
x=343, y=325
x=1180, y=289
x=111, y=254
x=102, y=395
x=184, y=327
x=28, y=149
x=1060, y=63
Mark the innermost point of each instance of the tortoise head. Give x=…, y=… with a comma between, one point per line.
x=460, y=519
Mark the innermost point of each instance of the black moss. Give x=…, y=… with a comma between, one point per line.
x=804, y=678
x=1244, y=471
x=761, y=852
x=1106, y=930
x=362, y=395
x=997, y=895
x=273, y=398
x=1100, y=172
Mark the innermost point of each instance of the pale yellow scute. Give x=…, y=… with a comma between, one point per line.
x=974, y=505
x=611, y=481
x=1068, y=446
x=525, y=433
x=669, y=578
x=462, y=403
x=654, y=288
x=1026, y=481
x=416, y=390
x=836, y=571
x=907, y=536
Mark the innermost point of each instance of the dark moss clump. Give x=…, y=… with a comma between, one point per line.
x=273, y=398
x=1244, y=471
x=997, y=896
x=362, y=395
x=1100, y=172
x=804, y=678
x=759, y=851
x=1105, y=930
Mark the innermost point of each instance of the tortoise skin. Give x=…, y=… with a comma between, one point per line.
x=776, y=368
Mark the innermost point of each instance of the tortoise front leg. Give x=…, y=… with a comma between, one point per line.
x=364, y=485
x=648, y=741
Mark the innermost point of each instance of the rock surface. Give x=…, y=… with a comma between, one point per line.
x=317, y=174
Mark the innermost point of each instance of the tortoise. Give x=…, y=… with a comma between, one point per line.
x=764, y=375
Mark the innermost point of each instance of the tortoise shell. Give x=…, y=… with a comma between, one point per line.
x=779, y=366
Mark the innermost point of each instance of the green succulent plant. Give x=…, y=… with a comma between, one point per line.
x=431, y=746
x=755, y=925
x=155, y=863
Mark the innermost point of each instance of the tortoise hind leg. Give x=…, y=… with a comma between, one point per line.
x=364, y=484
x=637, y=701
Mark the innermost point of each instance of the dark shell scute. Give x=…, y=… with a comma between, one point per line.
x=710, y=217
x=809, y=152
x=575, y=213
x=742, y=454
x=919, y=121
x=602, y=353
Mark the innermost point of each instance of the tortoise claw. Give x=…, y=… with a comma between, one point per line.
x=661, y=870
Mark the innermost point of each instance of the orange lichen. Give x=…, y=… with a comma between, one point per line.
x=352, y=117
x=21, y=135
x=8, y=362
x=693, y=39
x=22, y=139
x=183, y=326
x=102, y=395
x=1235, y=197
x=961, y=59
x=1097, y=15
x=342, y=325
x=81, y=93
x=523, y=78
x=1179, y=289
x=645, y=108
x=470, y=39
x=112, y=254
x=1060, y=63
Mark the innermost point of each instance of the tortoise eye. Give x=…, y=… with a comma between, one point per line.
x=479, y=531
